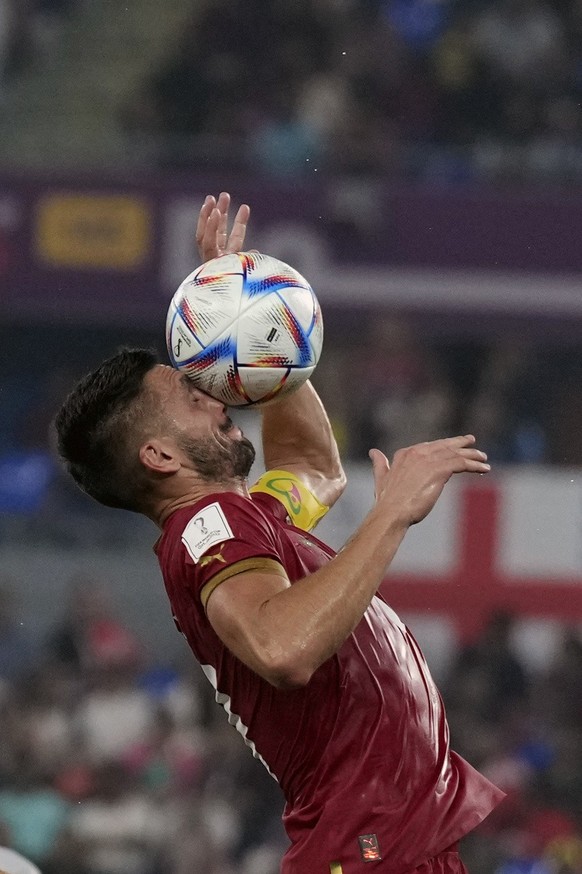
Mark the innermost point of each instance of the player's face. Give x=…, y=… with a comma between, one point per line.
x=201, y=426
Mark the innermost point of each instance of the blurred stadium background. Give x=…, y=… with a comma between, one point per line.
x=421, y=162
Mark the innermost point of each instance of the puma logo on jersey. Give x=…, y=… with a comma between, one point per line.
x=216, y=556
x=369, y=848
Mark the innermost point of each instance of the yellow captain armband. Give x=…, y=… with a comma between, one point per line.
x=303, y=508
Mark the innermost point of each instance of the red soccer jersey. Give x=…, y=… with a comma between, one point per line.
x=362, y=751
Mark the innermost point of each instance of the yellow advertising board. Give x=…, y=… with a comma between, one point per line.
x=93, y=231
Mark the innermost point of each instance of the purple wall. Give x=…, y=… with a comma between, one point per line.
x=115, y=249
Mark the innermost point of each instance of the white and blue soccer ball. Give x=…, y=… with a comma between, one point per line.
x=246, y=328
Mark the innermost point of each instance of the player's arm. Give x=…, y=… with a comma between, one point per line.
x=298, y=439
x=297, y=436
x=285, y=632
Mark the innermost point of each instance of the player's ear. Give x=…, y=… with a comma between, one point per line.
x=159, y=456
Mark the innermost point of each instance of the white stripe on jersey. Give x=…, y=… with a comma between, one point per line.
x=233, y=718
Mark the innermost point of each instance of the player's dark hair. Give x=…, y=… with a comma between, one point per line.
x=96, y=424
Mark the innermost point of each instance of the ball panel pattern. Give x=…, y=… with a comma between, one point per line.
x=253, y=326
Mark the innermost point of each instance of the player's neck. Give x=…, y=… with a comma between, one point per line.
x=168, y=505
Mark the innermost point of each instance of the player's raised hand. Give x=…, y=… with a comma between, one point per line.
x=212, y=235
x=410, y=487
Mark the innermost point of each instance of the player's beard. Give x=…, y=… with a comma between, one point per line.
x=219, y=459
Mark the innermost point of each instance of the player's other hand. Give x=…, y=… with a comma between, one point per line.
x=409, y=488
x=212, y=235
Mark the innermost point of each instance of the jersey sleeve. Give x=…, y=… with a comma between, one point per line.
x=301, y=505
x=227, y=537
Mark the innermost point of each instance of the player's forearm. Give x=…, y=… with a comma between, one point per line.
x=297, y=435
x=307, y=623
x=285, y=632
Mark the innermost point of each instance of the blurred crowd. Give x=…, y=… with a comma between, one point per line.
x=115, y=762
x=520, y=396
x=507, y=391
x=446, y=90
x=521, y=725
x=428, y=89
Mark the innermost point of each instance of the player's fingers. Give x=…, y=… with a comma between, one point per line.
x=239, y=229
x=474, y=454
x=208, y=246
x=457, y=442
x=471, y=461
x=223, y=204
x=205, y=211
x=446, y=448
x=203, y=216
x=459, y=457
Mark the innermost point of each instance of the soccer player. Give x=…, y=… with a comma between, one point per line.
x=322, y=679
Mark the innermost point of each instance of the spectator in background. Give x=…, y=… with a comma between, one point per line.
x=559, y=687
x=506, y=407
x=28, y=29
x=170, y=760
x=48, y=19
x=492, y=668
x=119, y=826
x=19, y=650
x=89, y=634
x=406, y=396
x=15, y=42
x=115, y=715
x=33, y=427
x=198, y=94
x=32, y=811
x=522, y=51
x=6, y=39
x=177, y=100
x=281, y=144
x=487, y=696
x=522, y=41
x=564, y=408
x=469, y=100
x=374, y=65
x=193, y=847
x=555, y=150
x=40, y=717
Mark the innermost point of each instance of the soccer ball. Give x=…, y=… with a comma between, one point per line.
x=245, y=328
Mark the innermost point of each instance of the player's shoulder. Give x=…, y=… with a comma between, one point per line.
x=213, y=520
x=231, y=504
